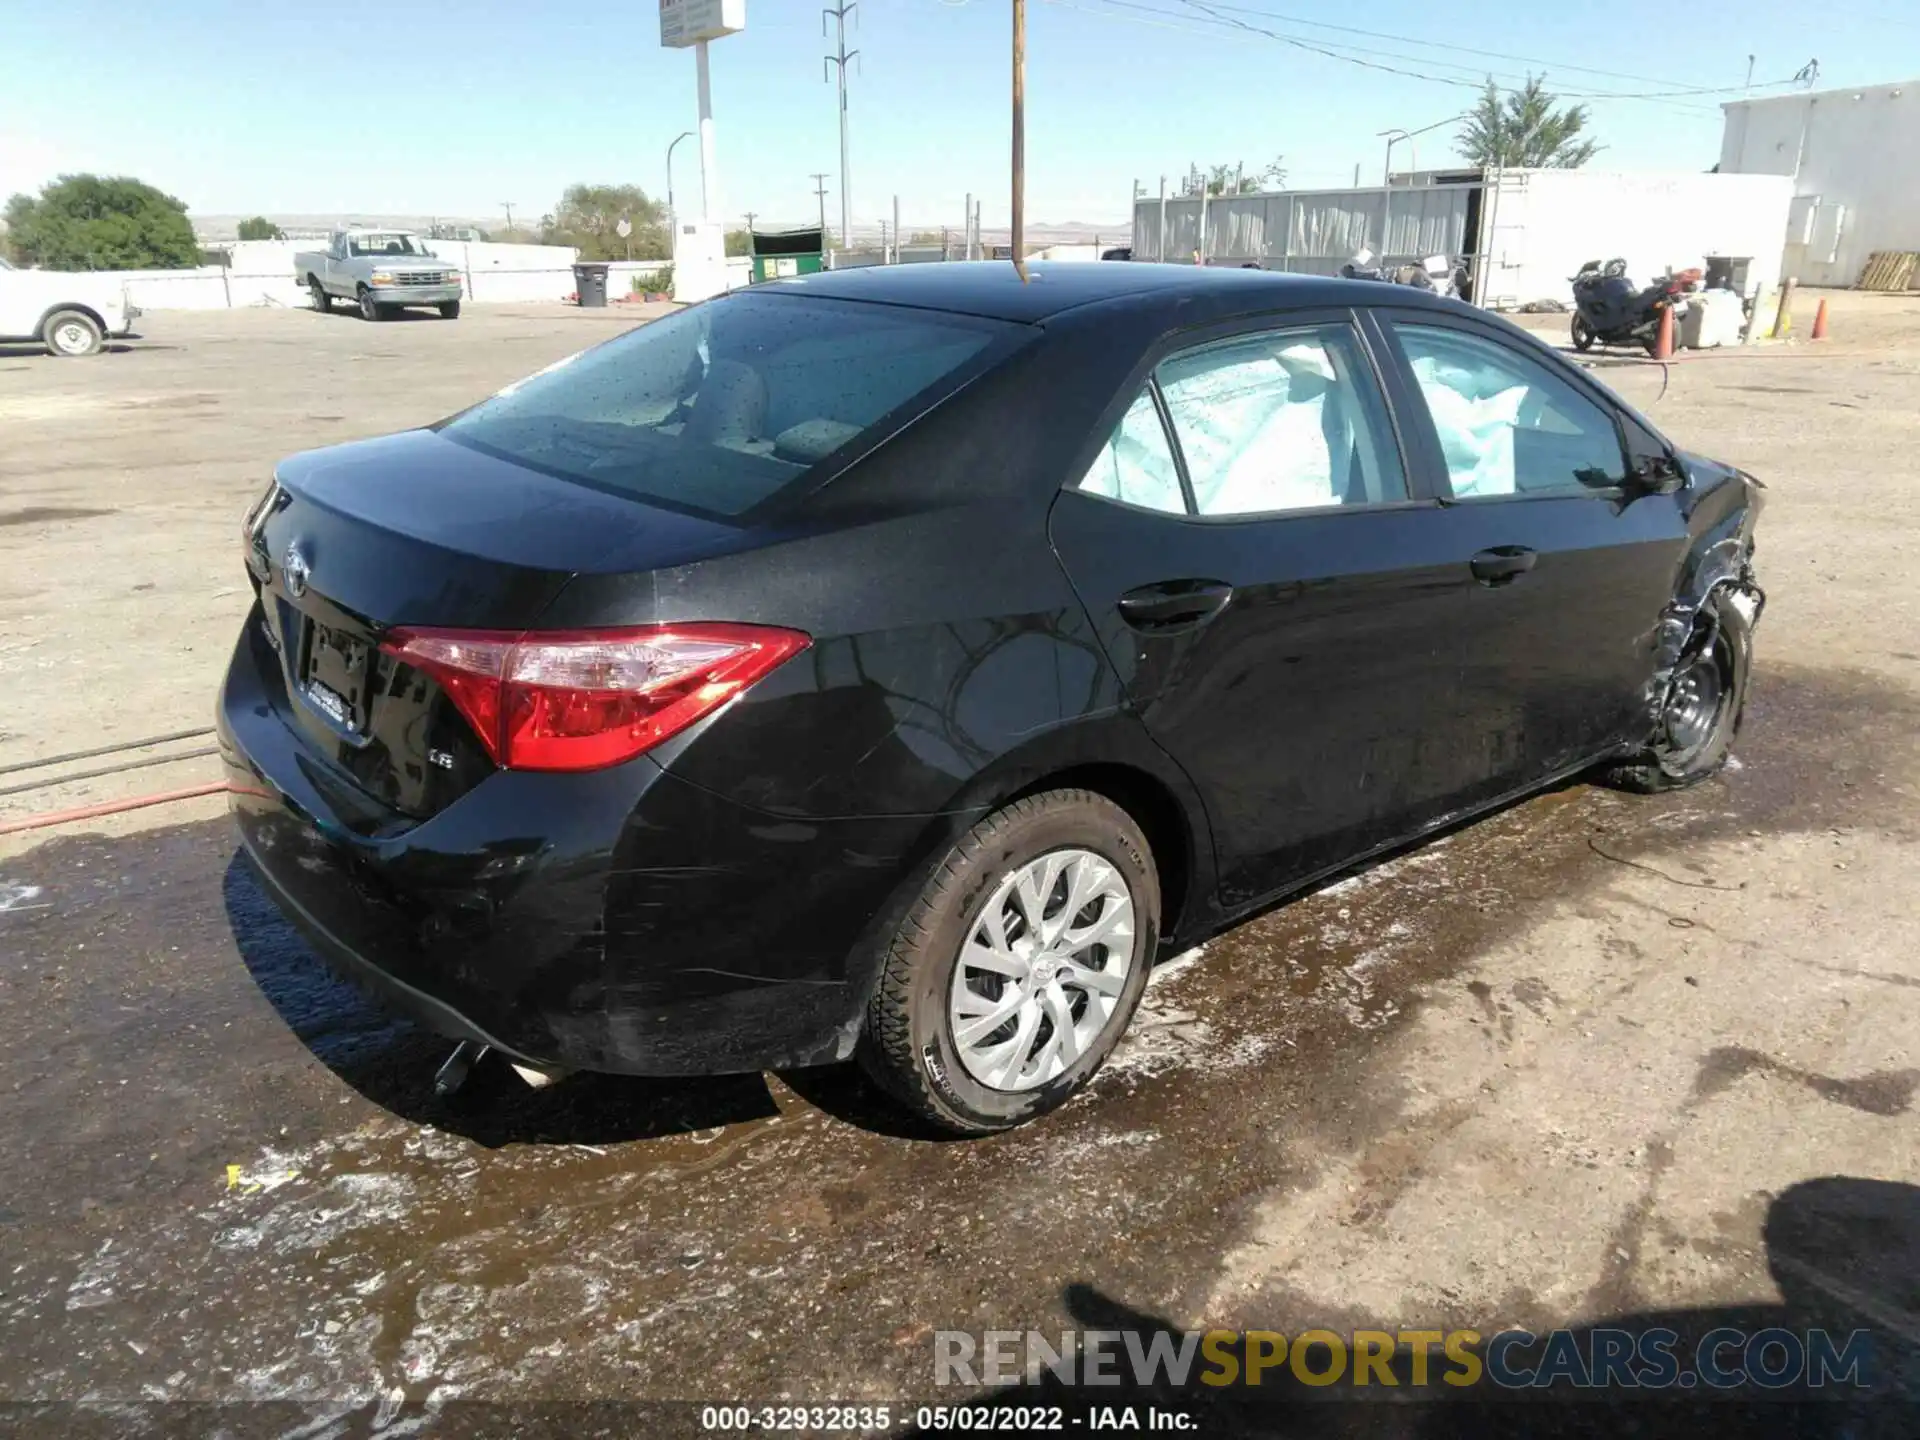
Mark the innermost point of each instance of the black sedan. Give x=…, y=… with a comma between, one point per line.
x=895, y=663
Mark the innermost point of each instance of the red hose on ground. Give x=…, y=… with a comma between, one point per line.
x=109, y=807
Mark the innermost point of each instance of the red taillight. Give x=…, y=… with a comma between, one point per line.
x=584, y=699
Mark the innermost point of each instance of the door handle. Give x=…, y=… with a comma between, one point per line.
x=1174, y=603
x=1503, y=564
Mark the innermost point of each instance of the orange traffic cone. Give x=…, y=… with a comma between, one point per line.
x=1820, y=320
x=1663, y=346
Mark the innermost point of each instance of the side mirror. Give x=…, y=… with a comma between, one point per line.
x=1655, y=475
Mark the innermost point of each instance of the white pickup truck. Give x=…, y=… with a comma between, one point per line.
x=380, y=271
x=70, y=312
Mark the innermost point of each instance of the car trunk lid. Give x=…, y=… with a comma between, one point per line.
x=414, y=531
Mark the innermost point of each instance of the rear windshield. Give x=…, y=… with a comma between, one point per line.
x=721, y=406
x=384, y=245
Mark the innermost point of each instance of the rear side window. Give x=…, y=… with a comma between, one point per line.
x=1281, y=420
x=1136, y=465
x=718, y=408
x=1507, y=424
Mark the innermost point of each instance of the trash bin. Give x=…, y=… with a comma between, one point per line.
x=590, y=280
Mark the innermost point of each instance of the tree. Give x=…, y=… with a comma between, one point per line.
x=739, y=242
x=1234, y=179
x=260, y=228
x=1525, y=131
x=91, y=222
x=588, y=218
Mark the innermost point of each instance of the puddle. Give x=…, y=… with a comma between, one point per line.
x=611, y=1236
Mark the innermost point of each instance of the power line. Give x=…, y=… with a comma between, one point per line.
x=1214, y=28
x=1554, y=65
x=1209, y=9
x=1217, y=17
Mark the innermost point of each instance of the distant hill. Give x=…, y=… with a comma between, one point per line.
x=224, y=227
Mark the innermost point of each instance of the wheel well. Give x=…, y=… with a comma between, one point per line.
x=86, y=310
x=1158, y=813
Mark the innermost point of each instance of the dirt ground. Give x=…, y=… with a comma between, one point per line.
x=1595, y=1059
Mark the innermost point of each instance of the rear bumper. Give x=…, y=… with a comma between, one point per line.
x=621, y=920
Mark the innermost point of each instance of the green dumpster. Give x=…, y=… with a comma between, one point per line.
x=780, y=253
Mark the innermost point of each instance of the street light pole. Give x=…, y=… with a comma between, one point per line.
x=683, y=135
x=1386, y=165
x=1407, y=135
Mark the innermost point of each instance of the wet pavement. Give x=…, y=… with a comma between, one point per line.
x=231, y=1178
x=1596, y=1058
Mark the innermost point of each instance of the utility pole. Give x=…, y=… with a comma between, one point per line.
x=820, y=192
x=896, y=227
x=509, y=205
x=966, y=227
x=1019, y=138
x=839, y=60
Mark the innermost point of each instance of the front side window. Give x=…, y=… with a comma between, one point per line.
x=721, y=406
x=1282, y=420
x=1136, y=465
x=1507, y=424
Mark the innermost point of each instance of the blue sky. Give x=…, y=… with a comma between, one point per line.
x=341, y=106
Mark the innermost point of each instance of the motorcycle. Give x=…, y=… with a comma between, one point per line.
x=1609, y=309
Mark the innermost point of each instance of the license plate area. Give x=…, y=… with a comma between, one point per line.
x=333, y=677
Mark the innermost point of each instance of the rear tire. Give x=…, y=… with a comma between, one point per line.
x=1582, y=334
x=959, y=955
x=1706, y=702
x=71, y=334
x=322, y=301
x=450, y=310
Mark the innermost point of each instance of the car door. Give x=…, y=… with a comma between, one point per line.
x=1261, y=571
x=1570, y=566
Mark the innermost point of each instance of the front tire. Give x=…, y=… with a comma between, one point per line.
x=1706, y=701
x=71, y=334
x=370, y=309
x=1019, y=966
x=1582, y=334
x=450, y=310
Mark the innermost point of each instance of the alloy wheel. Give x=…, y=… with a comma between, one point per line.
x=1042, y=970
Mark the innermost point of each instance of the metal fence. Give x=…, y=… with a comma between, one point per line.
x=1311, y=231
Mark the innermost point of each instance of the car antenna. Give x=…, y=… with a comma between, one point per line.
x=1019, y=137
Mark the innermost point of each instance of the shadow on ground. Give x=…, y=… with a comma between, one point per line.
x=392, y=1062
x=1843, y=1251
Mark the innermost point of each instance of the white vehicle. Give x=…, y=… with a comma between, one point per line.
x=70, y=312
x=379, y=271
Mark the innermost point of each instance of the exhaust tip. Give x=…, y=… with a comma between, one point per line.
x=537, y=1079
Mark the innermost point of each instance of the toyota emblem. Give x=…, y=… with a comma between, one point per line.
x=295, y=570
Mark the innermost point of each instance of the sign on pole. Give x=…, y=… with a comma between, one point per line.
x=684, y=23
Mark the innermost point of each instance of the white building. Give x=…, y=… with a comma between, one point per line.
x=1854, y=159
x=1523, y=233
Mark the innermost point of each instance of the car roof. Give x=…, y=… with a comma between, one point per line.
x=990, y=288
